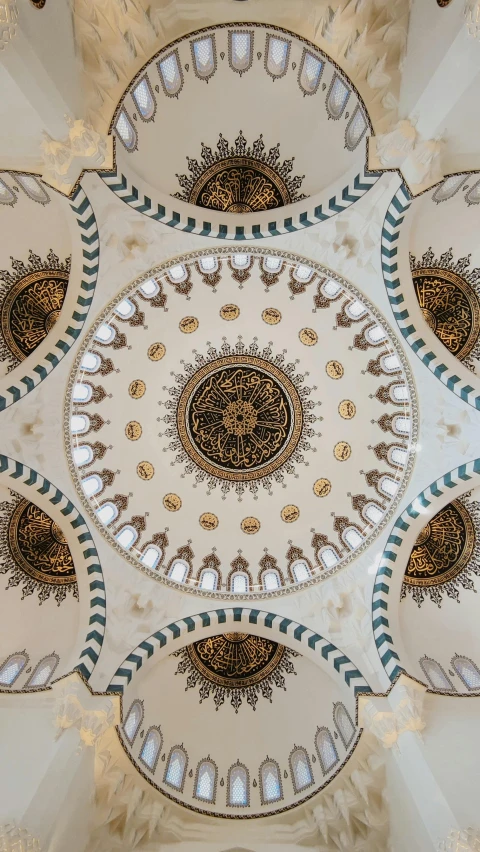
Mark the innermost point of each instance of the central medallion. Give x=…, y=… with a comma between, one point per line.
x=239, y=418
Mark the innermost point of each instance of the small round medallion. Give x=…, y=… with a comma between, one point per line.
x=322, y=487
x=145, y=470
x=172, y=502
x=289, y=514
x=133, y=430
x=208, y=521
x=230, y=312
x=188, y=324
x=334, y=369
x=347, y=409
x=271, y=316
x=250, y=525
x=137, y=388
x=156, y=351
x=342, y=451
x=308, y=337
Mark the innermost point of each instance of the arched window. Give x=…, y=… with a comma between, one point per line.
x=82, y=455
x=149, y=288
x=238, y=786
x=90, y=362
x=6, y=194
x=330, y=289
x=390, y=363
x=177, y=273
x=300, y=769
x=239, y=583
x=399, y=393
x=303, y=273
x=209, y=580
x=240, y=50
x=144, y=99
x=79, y=423
x=352, y=538
x=328, y=557
x=33, y=188
x=92, y=485
x=176, y=768
x=178, y=571
x=11, y=668
x=171, y=74
x=436, y=675
x=151, y=748
x=375, y=335
x=127, y=537
x=272, y=263
x=398, y=456
x=125, y=309
x=105, y=333
x=277, y=52
x=82, y=392
x=125, y=130
x=133, y=721
x=208, y=264
x=473, y=195
x=355, y=310
x=204, y=56
x=271, y=580
x=337, y=97
x=448, y=188
x=300, y=571
x=206, y=781
x=107, y=513
x=151, y=556
x=240, y=261
x=467, y=671
x=388, y=486
x=372, y=513
x=343, y=724
x=356, y=129
x=43, y=671
x=310, y=72
x=401, y=425
x=325, y=746
x=270, y=782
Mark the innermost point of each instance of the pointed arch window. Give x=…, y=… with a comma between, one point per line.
x=277, y=52
x=171, y=74
x=6, y=194
x=107, y=513
x=270, y=782
x=337, y=97
x=343, y=723
x=176, y=768
x=43, y=671
x=105, y=334
x=240, y=50
x=300, y=769
x=79, y=423
x=356, y=129
x=240, y=583
x=12, y=668
x=328, y=556
x=326, y=750
x=206, y=781
x=467, y=671
x=178, y=571
x=209, y=580
x=151, y=556
x=126, y=131
x=82, y=392
x=473, y=195
x=448, y=188
x=310, y=73
x=92, y=485
x=133, y=721
x=436, y=675
x=82, y=455
x=300, y=571
x=271, y=580
x=151, y=748
x=127, y=537
x=33, y=188
x=238, y=786
x=145, y=99
x=204, y=56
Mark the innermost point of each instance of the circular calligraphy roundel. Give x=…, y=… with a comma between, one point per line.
x=239, y=418
x=443, y=548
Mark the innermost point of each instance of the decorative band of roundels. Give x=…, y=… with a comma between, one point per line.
x=19, y=472
x=394, y=558
x=391, y=230
x=86, y=288
x=301, y=638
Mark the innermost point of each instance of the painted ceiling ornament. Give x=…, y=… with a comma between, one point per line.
x=240, y=178
x=31, y=298
x=448, y=293
x=234, y=667
x=34, y=551
x=239, y=416
x=445, y=554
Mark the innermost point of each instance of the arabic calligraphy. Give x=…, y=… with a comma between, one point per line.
x=239, y=189
x=450, y=307
x=235, y=660
x=31, y=309
x=39, y=547
x=443, y=548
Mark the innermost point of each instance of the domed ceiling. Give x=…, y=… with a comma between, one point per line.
x=233, y=416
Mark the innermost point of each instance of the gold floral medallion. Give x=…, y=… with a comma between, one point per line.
x=137, y=388
x=188, y=325
x=230, y=312
x=290, y=513
x=208, y=521
x=322, y=487
x=308, y=337
x=271, y=316
x=172, y=502
x=347, y=409
x=250, y=526
x=145, y=470
x=133, y=430
x=342, y=451
x=334, y=369
x=156, y=351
